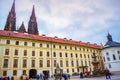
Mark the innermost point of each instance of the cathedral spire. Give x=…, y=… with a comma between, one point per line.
x=32, y=25
x=11, y=19
x=22, y=28
x=109, y=37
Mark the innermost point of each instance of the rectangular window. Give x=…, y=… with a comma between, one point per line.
x=5, y=65
x=48, y=63
x=14, y=72
x=7, y=41
x=4, y=73
x=48, y=54
x=17, y=43
x=47, y=45
x=60, y=54
x=24, y=63
x=33, y=44
x=25, y=43
x=55, y=63
x=53, y=46
x=71, y=55
x=76, y=55
x=72, y=63
x=40, y=45
x=15, y=64
x=61, y=63
x=80, y=55
x=54, y=54
x=66, y=55
x=41, y=53
x=33, y=53
x=24, y=72
x=40, y=63
x=6, y=51
x=65, y=47
x=33, y=63
x=67, y=64
x=16, y=52
x=60, y=47
x=77, y=63
x=25, y=53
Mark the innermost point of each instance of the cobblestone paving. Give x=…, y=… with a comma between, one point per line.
x=114, y=77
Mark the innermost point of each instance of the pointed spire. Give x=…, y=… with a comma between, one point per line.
x=109, y=37
x=11, y=19
x=33, y=12
x=13, y=7
x=32, y=25
x=22, y=28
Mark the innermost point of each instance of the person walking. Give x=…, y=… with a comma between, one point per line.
x=81, y=75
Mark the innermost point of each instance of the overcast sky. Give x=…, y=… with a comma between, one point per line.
x=80, y=20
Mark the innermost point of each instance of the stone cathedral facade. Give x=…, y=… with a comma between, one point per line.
x=25, y=52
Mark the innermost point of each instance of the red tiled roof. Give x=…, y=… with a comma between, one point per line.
x=45, y=38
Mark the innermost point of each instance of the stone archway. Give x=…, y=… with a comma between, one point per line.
x=32, y=73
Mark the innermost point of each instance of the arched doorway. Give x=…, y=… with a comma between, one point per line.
x=32, y=73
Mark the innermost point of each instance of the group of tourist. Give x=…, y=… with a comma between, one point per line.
x=7, y=78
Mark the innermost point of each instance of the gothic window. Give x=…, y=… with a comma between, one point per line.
x=25, y=43
x=17, y=43
x=41, y=53
x=24, y=63
x=67, y=64
x=33, y=44
x=40, y=63
x=114, y=57
x=15, y=64
x=33, y=63
x=54, y=54
x=61, y=63
x=33, y=53
x=5, y=64
x=4, y=73
x=7, y=41
x=48, y=63
x=66, y=55
x=14, y=72
x=16, y=52
x=40, y=45
x=6, y=51
x=48, y=54
x=55, y=63
x=24, y=72
x=72, y=63
x=25, y=53
x=60, y=54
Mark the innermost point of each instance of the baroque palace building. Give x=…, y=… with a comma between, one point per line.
x=28, y=53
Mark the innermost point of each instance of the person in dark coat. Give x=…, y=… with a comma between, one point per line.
x=107, y=74
x=81, y=75
x=12, y=78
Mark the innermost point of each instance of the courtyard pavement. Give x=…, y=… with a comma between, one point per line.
x=113, y=77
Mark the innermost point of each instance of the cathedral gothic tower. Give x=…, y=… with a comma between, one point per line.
x=32, y=25
x=22, y=28
x=11, y=19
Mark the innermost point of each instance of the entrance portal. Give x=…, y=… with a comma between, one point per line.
x=32, y=73
x=46, y=73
